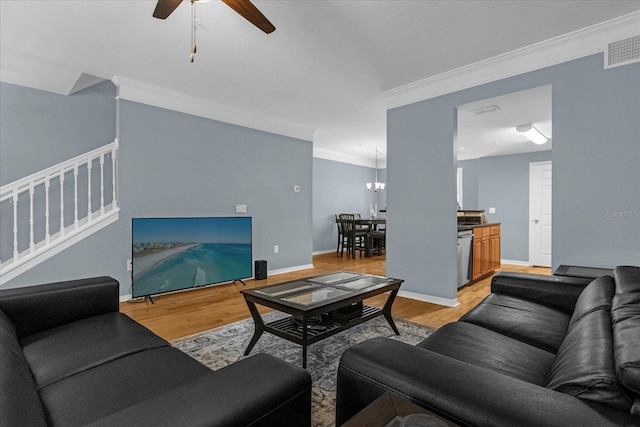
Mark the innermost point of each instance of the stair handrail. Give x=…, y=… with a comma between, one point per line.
x=12, y=192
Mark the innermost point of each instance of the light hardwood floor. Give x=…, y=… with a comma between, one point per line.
x=184, y=313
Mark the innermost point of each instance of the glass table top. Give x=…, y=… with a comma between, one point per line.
x=322, y=288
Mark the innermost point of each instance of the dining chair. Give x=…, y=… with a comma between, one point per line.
x=342, y=239
x=355, y=239
x=376, y=241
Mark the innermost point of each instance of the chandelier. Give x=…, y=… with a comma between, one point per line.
x=376, y=186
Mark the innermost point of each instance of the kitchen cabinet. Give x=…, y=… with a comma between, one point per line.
x=494, y=247
x=485, y=250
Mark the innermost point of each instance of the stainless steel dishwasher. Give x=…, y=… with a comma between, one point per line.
x=464, y=256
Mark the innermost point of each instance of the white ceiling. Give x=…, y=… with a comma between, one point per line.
x=488, y=127
x=323, y=71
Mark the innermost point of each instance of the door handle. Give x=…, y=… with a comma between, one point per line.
x=535, y=221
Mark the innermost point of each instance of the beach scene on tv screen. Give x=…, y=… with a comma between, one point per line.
x=170, y=254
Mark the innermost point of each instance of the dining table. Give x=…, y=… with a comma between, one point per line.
x=372, y=223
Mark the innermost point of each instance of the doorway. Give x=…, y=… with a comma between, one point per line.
x=496, y=157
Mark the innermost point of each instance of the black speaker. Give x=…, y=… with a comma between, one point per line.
x=260, y=269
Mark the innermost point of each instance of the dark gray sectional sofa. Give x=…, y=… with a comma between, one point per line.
x=538, y=351
x=69, y=358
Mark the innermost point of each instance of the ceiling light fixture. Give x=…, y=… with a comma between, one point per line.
x=531, y=132
x=485, y=110
x=376, y=186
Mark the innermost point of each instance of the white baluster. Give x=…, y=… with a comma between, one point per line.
x=113, y=180
x=47, y=235
x=89, y=167
x=75, y=195
x=101, y=183
x=31, y=238
x=62, y=203
x=15, y=224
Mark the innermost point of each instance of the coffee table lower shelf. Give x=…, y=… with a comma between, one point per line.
x=330, y=324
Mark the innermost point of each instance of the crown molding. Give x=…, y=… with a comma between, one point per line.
x=143, y=93
x=570, y=46
x=321, y=153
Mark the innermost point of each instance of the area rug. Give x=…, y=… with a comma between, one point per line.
x=225, y=345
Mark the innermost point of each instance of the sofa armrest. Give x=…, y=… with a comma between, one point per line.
x=459, y=391
x=259, y=391
x=558, y=291
x=37, y=308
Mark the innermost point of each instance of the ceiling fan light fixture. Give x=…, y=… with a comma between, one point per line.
x=245, y=8
x=531, y=132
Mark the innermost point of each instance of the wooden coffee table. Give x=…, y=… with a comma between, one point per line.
x=320, y=306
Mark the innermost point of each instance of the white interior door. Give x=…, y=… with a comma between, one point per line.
x=540, y=213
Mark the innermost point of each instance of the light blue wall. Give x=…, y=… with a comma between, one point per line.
x=338, y=188
x=173, y=164
x=40, y=129
x=596, y=152
x=421, y=208
x=596, y=158
x=502, y=182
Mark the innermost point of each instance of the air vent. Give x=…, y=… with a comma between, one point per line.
x=622, y=52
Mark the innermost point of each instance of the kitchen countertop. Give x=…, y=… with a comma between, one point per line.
x=463, y=227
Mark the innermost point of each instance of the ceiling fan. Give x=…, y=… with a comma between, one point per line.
x=245, y=8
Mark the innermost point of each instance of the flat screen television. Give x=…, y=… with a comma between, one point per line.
x=173, y=254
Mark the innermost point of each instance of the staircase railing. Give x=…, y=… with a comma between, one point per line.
x=44, y=213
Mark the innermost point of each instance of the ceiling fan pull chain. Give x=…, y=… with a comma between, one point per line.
x=193, y=31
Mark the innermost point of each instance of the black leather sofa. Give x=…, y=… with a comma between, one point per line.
x=538, y=351
x=69, y=358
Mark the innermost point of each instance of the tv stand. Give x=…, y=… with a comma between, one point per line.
x=239, y=280
x=150, y=299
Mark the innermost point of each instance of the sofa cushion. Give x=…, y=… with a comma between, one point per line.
x=60, y=352
x=38, y=308
x=627, y=279
x=533, y=323
x=597, y=295
x=626, y=338
x=488, y=349
x=585, y=368
x=260, y=390
x=111, y=387
x=19, y=400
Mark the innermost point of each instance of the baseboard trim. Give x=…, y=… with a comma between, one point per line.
x=514, y=262
x=323, y=252
x=447, y=302
x=290, y=269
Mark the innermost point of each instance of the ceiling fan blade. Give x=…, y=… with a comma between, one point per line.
x=164, y=8
x=250, y=13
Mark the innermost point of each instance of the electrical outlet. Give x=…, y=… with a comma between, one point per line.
x=241, y=208
x=492, y=210
x=129, y=265
x=275, y=249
